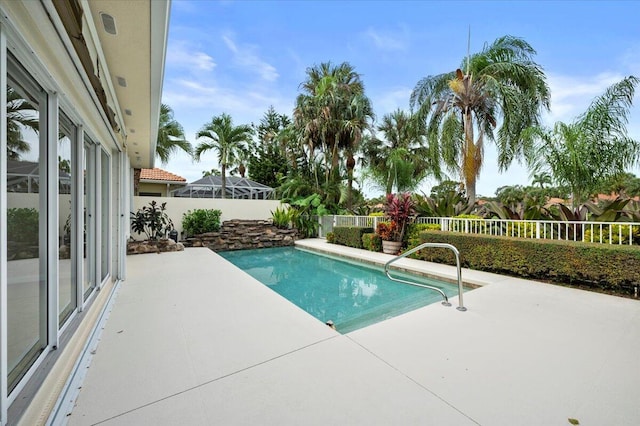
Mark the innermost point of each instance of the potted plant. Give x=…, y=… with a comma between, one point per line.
x=152, y=220
x=399, y=209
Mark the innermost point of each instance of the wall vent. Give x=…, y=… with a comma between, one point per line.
x=109, y=23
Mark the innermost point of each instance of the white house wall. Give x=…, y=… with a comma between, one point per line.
x=230, y=208
x=36, y=38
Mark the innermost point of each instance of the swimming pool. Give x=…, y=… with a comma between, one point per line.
x=352, y=295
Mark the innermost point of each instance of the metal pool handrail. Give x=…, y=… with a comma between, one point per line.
x=421, y=246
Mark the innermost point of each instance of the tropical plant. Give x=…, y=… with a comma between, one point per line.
x=399, y=208
x=387, y=231
x=448, y=199
x=170, y=136
x=212, y=172
x=21, y=115
x=227, y=140
x=170, y=139
x=624, y=184
x=525, y=210
x=242, y=158
x=511, y=195
x=304, y=214
x=151, y=220
x=592, y=148
x=332, y=115
x=281, y=217
x=503, y=84
x=200, y=221
x=542, y=179
x=400, y=161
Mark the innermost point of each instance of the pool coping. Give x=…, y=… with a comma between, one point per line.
x=470, y=279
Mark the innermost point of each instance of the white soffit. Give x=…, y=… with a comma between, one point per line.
x=135, y=55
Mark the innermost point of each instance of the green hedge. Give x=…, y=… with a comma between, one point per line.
x=611, y=268
x=372, y=242
x=201, y=221
x=350, y=236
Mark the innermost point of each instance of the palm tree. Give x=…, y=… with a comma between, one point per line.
x=226, y=139
x=20, y=115
x=333, y=114
x=594, y=147
x=400, y=160
x=542, y=179
x=501, y=83
x=170, y=135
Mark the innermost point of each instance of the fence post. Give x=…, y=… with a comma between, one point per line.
x=537, y=230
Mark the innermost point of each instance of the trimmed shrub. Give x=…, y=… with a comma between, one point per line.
x=350, y=236
x=414, y=230
x=611, y=268
x=201, y=221
x=372, y=242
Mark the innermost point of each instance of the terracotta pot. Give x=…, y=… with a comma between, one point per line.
x=391, y=247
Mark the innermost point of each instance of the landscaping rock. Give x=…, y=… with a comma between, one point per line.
x=153, y=246
x=243, y=235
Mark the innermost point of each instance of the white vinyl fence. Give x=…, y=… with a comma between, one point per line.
x=595, y=232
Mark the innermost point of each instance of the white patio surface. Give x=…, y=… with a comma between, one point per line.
x=194, y=340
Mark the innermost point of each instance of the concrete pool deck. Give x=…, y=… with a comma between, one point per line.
x=193, y=340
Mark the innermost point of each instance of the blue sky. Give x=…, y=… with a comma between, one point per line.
x=240, y=57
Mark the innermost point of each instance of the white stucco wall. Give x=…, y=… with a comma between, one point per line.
x=231, y=209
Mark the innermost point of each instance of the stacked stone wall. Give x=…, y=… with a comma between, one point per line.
x=243, y=235
x=153, y=246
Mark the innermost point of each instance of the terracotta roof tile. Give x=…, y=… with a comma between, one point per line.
x=159, y=174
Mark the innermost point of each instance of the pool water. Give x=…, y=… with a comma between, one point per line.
x=352, y=295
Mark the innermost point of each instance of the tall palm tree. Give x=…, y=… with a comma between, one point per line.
x=170, y=135
x=501, y=83
x=542, y=179
x=170, y=139
x=594, y=147
x=227, y=140
x=21, y=114
x=333, y=113
x=399, y=161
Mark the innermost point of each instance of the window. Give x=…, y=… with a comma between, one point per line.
x=26, y=222
x=67, y=220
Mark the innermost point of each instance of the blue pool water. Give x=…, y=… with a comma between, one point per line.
x=349, y=294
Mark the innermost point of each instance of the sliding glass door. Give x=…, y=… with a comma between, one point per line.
x=26, y=222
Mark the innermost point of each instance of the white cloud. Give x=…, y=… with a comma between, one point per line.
x=242, y=103
x=571, y=95
x=631, y=59
x=181, y=55
x=387, y=40
x=391, y=100
x=246, y=56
